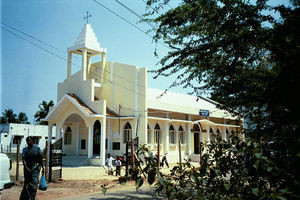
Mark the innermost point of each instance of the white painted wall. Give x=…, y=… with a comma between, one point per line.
x=10, y=130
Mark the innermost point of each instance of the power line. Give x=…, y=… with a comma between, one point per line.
x=136, y=14
x=128, y=22
x=46, y=50
x=55, y=48
x=54, y=54
x=32, y=37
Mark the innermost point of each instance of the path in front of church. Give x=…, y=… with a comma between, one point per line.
x=81, y=183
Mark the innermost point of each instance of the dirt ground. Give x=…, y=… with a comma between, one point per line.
x=75, y=181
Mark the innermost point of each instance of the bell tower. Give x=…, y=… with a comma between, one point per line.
x=86, y=45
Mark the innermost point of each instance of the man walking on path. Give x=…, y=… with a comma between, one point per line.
x=32, y=161
x=109, y=161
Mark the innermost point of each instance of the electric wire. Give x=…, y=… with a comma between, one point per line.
x=128, y=22
x=60, y=57
x=55, y=48
x=136, y=14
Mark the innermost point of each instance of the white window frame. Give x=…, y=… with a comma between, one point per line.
x=181, y=135
x=172, y=135
x=149, y=135
x=157, y=133
x=127, y=133
x=68, y=136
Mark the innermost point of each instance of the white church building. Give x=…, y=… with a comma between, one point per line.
x=106, y=103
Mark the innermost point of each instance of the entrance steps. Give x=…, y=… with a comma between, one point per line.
x=75, y=161
x=95, y=161
x=194, y=157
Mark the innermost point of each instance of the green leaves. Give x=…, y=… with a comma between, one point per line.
x=255, y=191
x=151, y=176
x=123, y=180
x=104, y=188
x=139, y=182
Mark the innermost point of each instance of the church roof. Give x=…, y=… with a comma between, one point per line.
x=81, y=104
x=87, y=39
x=183, y=103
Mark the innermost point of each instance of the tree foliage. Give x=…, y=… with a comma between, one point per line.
x=43, y=111
x=8, y=116
x=248, y=61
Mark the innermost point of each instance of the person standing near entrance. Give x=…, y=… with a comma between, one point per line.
x=32, y=162
x=118, y=166
x=109, y=161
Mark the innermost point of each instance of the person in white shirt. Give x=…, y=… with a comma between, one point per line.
x=109, y=165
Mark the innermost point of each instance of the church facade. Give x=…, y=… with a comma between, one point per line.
x=105, y=104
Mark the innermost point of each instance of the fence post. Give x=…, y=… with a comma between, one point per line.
x=126, y=169
x=158, y=152
x=200, y=154
x=46, y=161
x=50, y=162
x=179, y=151
x=132, y=154
x=18, y=156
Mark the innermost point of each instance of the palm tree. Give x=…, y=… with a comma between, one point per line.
x=8, y=116
x=42, y=113
x=22, y=118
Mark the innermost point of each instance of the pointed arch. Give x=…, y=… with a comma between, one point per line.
x=181, y=135
x=172, y=135
x=197, y=138
x=157, y=133
x=68, y=136
x=96, y=137
x=127, y=132
x=212, y=135
x=227, y=134
x=149, y=141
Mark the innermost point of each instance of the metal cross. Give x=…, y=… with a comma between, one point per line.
x=87, y=17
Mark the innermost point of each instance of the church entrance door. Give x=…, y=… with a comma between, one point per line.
x=96, y=138
x=196, y=142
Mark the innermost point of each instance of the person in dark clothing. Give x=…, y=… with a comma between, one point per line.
x=32, y=161
x=118, y=166
x=164, y=161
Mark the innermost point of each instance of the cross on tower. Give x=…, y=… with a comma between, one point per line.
x=87, y=17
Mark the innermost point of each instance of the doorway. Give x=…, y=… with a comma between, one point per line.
x=197, y=139
x=96, y=138
x=196, y=142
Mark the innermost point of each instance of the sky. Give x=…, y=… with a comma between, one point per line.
x=30, y=74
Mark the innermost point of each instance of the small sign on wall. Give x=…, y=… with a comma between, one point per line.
x=204, y=113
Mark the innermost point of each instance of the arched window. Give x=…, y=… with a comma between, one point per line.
x=157, y=133
x=197, y=139
x=227, y=134
x=212, y=135
x=68, y=136
x=148, y=135
x=196, y=128
x=218, y=133
x=181, y=135
x=172, y=136
x=127, y=132
x=232, y=132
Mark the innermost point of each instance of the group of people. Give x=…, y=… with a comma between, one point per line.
x=109, y=164
x=32, y=158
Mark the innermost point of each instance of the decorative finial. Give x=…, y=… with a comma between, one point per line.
x=87, y=17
